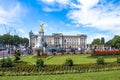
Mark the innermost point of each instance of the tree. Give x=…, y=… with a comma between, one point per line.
x=6, y=62
x=114, y=43
x=7, y=39
x=118, y=59
x=68, y=62
x=16, y=40
x=25, y=41
x=40, y=62
x=0, y=39
x=38, y=53
x=108, y=43
x=102, y=41
x=100, y=60
x=96, y=42
x=17, y=56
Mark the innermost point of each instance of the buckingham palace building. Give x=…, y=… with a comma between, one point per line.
x=57, y=40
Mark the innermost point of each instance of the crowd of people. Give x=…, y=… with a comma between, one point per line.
x=21, y=50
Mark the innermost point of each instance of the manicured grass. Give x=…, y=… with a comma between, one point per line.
x=77, y=59
x=109, y=75
x=30, y=59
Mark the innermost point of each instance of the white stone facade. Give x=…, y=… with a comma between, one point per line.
x=59, y=40
x=66, y=41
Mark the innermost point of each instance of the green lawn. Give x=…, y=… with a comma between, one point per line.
x=77, y=59
x=110, y=75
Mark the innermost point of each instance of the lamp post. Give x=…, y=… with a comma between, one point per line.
x=65, y=44
x=9, y=52
x=2, y=49
x=2, y=58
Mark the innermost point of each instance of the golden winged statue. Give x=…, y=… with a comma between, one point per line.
x=41, y=27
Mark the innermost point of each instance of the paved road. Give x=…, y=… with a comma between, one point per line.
x=5, y=54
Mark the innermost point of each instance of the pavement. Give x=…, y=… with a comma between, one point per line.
x=5, y=54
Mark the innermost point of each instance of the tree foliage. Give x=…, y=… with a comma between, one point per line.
x=68, y=62
x=17, y=56
x=96, y=41
x=39, y=62
x=7, y=39
x=118, y=59
x=6, y=62
x=38, y=53
x=102, y=40
x=100, y=60
x=114, y=43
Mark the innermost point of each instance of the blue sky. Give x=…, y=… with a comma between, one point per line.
x=95, y=18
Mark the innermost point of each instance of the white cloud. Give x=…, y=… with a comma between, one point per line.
x=11, y=18
x=48, y=1
x=54, y=5
x=89, y=13
x=102, y=17
x=10, y=15
x=87, y=4
x=63, y=2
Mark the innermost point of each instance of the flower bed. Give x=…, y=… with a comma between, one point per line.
x=25, y=69
x=105, y=52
